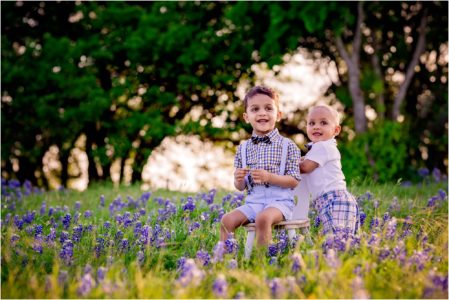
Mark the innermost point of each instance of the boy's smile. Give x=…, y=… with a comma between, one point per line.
x=262, y=113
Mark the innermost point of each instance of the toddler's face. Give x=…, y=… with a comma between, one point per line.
x=321, y=125
x=262, y=113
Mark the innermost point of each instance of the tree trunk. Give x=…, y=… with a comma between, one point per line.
x=353, y=63
x=420, y=47
x=380, y=100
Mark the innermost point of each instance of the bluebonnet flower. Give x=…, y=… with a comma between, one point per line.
x=37, y=244
x=298, y=262
x=118, y=235
x=332, y=259
x=358, y=289
x=190, y=274
x=374, y=223
x=193, y=226
x=273, y=260
x=276, y=288
x=140, y=257
x=180, y=263
x=43, y=208
x=384, y=253
x=419, y=258
x=38, y=230
x=63, y=236
x=220, y=286
x=18, y=222
x=362, y=218
x=144, y=234
x=190, y=205
x=137, y=228
x=203, y=257
x=77, y=205
x=77, y=232
x=124, y=245
x=28, y=217
x=66, y=221
x=273, y=250
x=107, y=225
x=86, y=285
x=102, y=200
x=225, y=199
x=423, y=172
x=432, y=201
x=218, y=252
x=87, y=269
x=406, y=227
x=29, y=230
x=99, y=247
x=142, y=212
x=62, y=277
x=391, y=229
x=101, y=273
x=442, y=194
x=205, y=216
x=50, y=211
x=394, y=206
x=231, y=244
x=317, y=221
x=436, y=174
x=14, y=239
x=232, y=264
x=87, y=214
x=66, y=252
x=145, y=197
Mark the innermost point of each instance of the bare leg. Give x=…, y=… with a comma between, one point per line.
x=264, y=220
x=230, y=221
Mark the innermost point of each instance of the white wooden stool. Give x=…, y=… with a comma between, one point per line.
x=300, y=219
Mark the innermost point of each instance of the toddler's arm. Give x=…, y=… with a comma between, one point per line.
x=263, y=176
x=307, y=166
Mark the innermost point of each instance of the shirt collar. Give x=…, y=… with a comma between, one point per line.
x=273, y=134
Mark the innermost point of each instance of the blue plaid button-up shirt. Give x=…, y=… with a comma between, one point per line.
x=268, y=156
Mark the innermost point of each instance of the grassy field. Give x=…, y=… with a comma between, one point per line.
x=111, y=242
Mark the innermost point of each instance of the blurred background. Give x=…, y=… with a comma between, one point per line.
x=151, y=92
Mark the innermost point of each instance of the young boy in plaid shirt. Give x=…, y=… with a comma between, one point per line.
x=267, y=165
x=322, y=173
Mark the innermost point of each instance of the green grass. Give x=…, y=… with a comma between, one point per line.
x=413, y=268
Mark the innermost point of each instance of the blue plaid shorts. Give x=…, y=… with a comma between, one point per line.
x=337, y=210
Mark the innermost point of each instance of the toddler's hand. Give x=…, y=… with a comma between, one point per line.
x=260, y=176
x=239, y=174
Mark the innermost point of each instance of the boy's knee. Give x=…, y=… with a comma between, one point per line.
x=263, y=220
x=226, y=221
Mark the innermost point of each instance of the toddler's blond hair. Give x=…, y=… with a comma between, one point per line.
x=333, y=111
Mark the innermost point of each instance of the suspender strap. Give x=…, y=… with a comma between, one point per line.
x=244, y=162
x=283, y=156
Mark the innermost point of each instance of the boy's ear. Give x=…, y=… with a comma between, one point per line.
x=337, y=130
x=245, y=117
x=279, y=116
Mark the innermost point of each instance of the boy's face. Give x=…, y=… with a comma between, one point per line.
x=321, y=125
x=262, y=113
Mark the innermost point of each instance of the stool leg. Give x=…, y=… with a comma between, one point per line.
x=291, y=235
x=249, y=243
x=305, y=232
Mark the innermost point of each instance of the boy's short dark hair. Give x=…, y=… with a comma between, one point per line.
x=264, y=90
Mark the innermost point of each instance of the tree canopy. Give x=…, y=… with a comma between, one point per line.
x=127, y=74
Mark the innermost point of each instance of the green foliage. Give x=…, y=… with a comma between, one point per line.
x=379, y=154
x=408, y=248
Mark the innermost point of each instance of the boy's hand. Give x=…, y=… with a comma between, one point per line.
x=239, y=175
x=260, y=176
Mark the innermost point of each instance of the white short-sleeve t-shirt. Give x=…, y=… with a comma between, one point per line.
x=328, y=176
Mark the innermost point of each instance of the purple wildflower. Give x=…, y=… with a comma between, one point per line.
x=101, y=273
x=38, y=230
x=87, y=283
x=140, y=257
x=87, y=214
x=423, y=172
x=273, y=250
x=442, y=194
x=362, y=218
x=317, y=221
x=231, y=244
x=190, y=274
x=193, y=226
x=102, y=200
x=50, y=211
x=384, y=253
x=63, y=236
x=203, y=257
x=391, y=229
x=107, y=225
x=298, y=262
x=66, y=221
x=276, y=287
x=219, y=251
x=43, y=208
x=14, y=239
x=77, y=205
x=62, y=277
x=220, y=286
x=190, y=205
x=232, y=264
x=124, y=245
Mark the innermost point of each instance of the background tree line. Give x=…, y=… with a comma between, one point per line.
x=127, y=74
